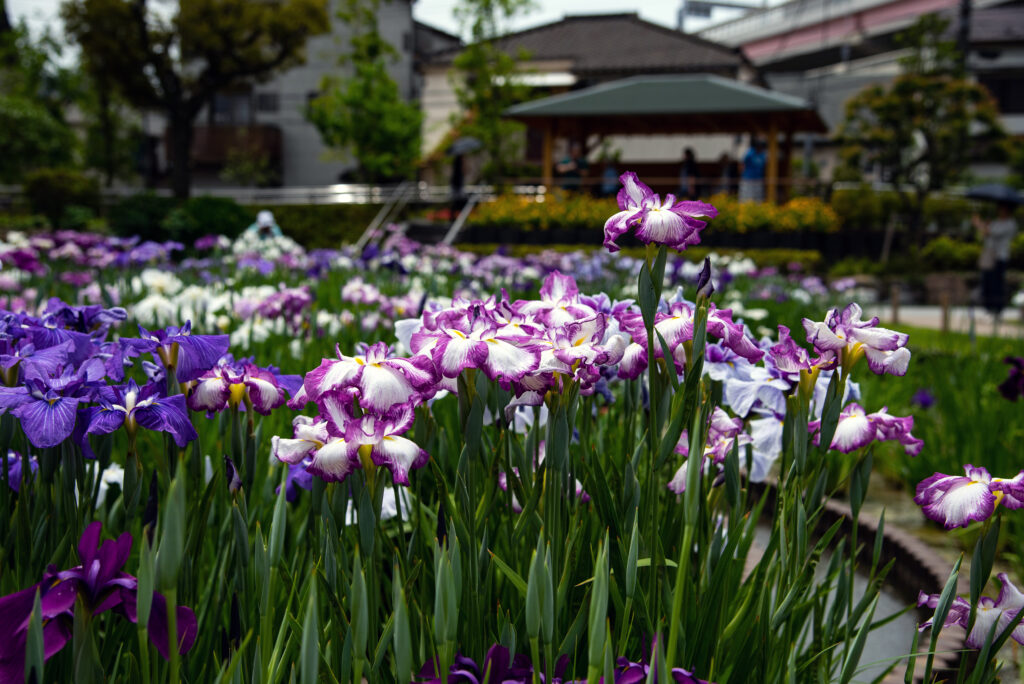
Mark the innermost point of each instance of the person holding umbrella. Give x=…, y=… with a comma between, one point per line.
x=997, y=235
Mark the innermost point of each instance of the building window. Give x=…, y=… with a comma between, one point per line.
x=268, y=102
x=231, y=109
x=1007, y=92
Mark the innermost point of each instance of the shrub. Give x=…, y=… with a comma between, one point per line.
x=51, y=192
x=321, y=225
x=24, y=223
x=947, y=254
x=200, y=216
x=858, y=208
x=141, y=215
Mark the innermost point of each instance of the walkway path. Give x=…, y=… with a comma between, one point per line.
x=1011, y=325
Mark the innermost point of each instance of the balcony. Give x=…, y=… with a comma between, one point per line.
x=212, y=145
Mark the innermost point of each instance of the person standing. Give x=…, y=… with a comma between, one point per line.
x=752, y=178
x=571, y=169
x=688, y=176
x=997, y=236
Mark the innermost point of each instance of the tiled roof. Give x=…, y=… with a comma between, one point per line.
x=615, y=43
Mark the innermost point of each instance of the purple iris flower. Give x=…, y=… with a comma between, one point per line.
x=131, y=406
x=1013, y=387
x=923, y=398
x=16, y=468
x=102, y=585
x=190, y=355
x=499, y=666
x=675, y=224
x=298, y=476
x=46, y=403
x=13, y=352
x=85, y=319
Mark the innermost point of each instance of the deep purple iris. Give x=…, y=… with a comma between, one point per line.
x=16, y=464
x=46, y=404
x=498, y=666
x=101, y=584
x=923, y=398
x=190, y=355
x=1013, y=387
x=132, y=406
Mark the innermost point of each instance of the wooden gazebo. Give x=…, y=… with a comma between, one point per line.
x=698, y=104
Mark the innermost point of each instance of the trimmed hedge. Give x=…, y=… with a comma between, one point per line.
x=577, y=211
x=66, y=197
x=321, y=225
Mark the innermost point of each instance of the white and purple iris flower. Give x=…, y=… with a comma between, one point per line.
x=724, y=433
x=671, y=223
x=387, y=447
x=988, y=613
x=328, y=456
x=380, y=380
x=959, y=500
x=857, y=428
x=843, y=334
x=132, y=407
x=241, y=383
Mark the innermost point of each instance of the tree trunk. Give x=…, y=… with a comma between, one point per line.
x=107, y=132
x=181, y=129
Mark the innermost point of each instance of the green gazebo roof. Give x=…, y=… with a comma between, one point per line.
x=671, y=104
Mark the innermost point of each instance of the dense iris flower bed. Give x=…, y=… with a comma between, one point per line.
x=416, y=464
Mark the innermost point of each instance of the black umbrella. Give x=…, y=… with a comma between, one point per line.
x=995, y=192
x=464, y=145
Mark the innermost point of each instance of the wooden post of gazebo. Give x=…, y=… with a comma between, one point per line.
x=548, y=158
x=772, y=176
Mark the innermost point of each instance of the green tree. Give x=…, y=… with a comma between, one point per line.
x=921, y=128
x=365, y=114
x=486, y=84
x=34, y=92
x=177, y=64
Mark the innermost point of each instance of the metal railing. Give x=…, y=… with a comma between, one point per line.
x=340, y=193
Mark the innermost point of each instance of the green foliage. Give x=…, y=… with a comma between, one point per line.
x=485, y=83
x=23, y=223
x=947, y=254
x=178, y=63
x=566, y=210
x=41, y=140
x=52, y=192
x=199, y=216
x=322, y=225
x=248, y=165
x=918, y=128
x=365, y=114
x=141, y=215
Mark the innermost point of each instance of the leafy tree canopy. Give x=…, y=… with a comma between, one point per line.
x=178, y=63
x=921, y=127
x=365, y=114
x=485, y=84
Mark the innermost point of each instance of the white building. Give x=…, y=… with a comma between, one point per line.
x=270, y=117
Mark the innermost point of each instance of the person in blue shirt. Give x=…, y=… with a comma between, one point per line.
x=752, y=178
x=265, y=227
